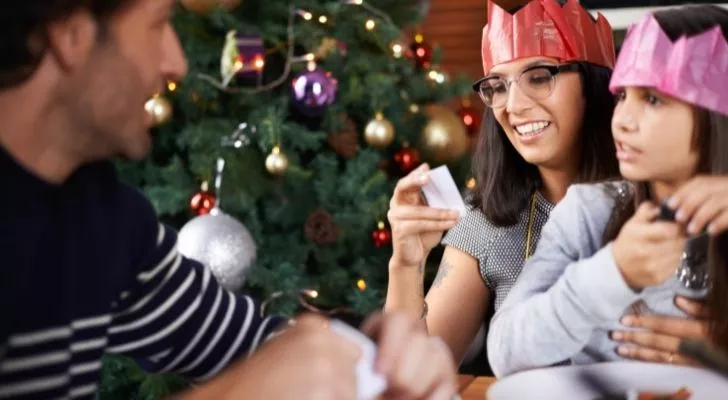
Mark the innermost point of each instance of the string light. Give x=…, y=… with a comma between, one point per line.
x=355, y=2
x=471, y=183
x=397, y=50
x=304, y=14
x=311, y=66
x=323, y=19
x=414, y=108
x=309, y=57
x=419, y=38
x=370, y=24
x=171, y=86
x=361, y=284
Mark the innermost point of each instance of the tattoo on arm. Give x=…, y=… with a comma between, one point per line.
x=445, y=267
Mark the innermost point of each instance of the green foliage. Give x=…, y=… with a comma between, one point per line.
x=355, y=192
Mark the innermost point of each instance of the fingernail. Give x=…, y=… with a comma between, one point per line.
x=672, y=203
x=622, y=351
x=692, y=228
x=617, y=335
x=712, y=229
x=682, y=302
x=627, y=320
x=680, y=215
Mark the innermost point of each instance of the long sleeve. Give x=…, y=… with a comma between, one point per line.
x=568, y=288
x=177, y=318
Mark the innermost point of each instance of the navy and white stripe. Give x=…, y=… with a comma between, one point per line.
x=111, y=282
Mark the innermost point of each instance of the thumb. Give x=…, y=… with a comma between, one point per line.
x=691, y=307
x=646, y=212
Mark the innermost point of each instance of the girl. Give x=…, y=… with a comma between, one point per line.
x=606, y=250
x=546, y=126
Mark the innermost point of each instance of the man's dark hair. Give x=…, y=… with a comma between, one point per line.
x=23, y=39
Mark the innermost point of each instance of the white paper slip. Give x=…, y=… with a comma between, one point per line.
x=442, y=192
x=369, y=383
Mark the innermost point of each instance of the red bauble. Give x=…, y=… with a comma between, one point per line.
x=203, y=201
x=421, y=52
x=407, y=159
x=381, y=236
x=471, y=119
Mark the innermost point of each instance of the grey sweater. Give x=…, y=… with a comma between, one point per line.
x=571, y=293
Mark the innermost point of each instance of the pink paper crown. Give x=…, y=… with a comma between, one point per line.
x=545, y=28
x=692, y=69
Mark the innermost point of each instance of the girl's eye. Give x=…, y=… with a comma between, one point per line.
x=652, y=100
x=620, y=95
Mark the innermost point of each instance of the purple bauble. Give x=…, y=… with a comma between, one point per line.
x=313, y=91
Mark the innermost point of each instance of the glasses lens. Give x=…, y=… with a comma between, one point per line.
x=537, y=83
x=494, y=92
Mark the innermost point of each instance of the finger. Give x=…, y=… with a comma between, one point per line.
x=646, y=212
x=414, y=372
x=705, y=213
x=689, y=197
x=691, y=307
x=391, y=331
x=658, y=231
x=649, y=339
x=719, y=224
x=412, y=182
x=651, y=355
x=403, y=228
x=679, y=327
x=402, y=212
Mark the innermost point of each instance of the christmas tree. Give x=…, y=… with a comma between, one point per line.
x=307, y=113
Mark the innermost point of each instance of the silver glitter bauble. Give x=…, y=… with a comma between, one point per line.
x=221, y=243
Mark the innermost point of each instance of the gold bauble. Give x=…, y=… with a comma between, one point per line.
x=379, y=132
x=444, y=137
x=276, y=163
x=205, y=6
x=159, y=108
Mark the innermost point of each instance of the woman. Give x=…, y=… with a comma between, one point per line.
x=607, y=253
x=547, y=126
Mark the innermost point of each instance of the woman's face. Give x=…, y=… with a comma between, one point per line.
x=543, y=125
x=653, y=134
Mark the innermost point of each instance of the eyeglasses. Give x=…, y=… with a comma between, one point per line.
x=535, y=82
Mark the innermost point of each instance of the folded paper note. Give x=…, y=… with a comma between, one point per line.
x=442, y=192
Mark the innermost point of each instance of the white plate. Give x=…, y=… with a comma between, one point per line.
x=621, y=377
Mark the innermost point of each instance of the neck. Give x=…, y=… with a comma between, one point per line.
x=36, y=133
x=659, y=191
x=555, y=182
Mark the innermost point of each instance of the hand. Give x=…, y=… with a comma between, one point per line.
x=646, y=251
x=701, y=203
x=660, y=341
x=416, y=228
x=316, y=363
x=417, y=366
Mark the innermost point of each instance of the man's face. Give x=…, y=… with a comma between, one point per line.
x=130, y=62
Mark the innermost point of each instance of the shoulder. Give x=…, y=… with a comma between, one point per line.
x=594, y=198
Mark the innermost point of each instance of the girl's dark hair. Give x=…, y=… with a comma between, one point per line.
x=506, y=180
x=22, y=31
x=710, y=139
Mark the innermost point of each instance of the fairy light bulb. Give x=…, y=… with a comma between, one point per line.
x=323, y=19
x=470, y=184
x=370, y=24
x=414, y=108
x=361, y=284
x=171, y=86
x=397, y=50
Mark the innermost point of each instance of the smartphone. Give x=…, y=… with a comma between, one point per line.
x=666, y=213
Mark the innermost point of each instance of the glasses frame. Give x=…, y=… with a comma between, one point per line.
x=553, y=69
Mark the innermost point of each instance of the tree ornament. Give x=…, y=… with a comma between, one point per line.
x=205, y=6
x=242, y=57
x=470, y=117
x=321, y=227
x=346, y=142
x=421, y=52
x=312, y=91
x=407, y=159
x=444, y=136
x=381, y=236
x=159, y=109
x=220, y=242
x=379, y=132
x=329, y=45
x=203, y=201
x=276, y=163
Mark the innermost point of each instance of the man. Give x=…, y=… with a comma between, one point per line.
x=87, y=269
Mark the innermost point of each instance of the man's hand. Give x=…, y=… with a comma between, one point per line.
x=306, y=361
x=417, y=366
x=660, y=341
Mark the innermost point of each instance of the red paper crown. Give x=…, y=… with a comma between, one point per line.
x=545, y=28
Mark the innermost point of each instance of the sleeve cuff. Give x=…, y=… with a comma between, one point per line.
x=602, y=290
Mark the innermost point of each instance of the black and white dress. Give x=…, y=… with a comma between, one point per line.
x=500, y=251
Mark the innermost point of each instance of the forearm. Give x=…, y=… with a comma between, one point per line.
x=405, y=291
x=534, y=330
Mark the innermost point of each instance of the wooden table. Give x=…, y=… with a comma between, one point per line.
x=474, y=387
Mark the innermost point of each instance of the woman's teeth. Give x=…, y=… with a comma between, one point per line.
x=532, y=128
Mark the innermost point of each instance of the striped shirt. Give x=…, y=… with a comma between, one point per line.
x=87, y=269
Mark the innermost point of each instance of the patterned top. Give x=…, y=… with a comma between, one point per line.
x=499, y=250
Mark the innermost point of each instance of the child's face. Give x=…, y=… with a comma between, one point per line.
x=653, y=134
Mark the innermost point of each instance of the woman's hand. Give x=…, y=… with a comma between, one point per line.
x=416, y=228
x=701, y=204
x=646, y=251
x=662, y=335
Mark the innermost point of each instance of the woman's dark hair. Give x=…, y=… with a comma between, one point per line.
x=710, y=139
x=22, y=31
x=506, y=180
